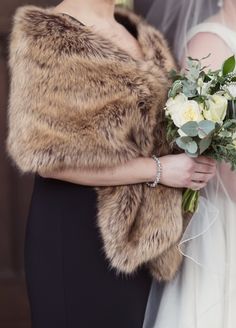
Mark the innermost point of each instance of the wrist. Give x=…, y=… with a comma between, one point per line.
x=158, y=174
x=168, y=170
x=149, y=170
x=164, y=162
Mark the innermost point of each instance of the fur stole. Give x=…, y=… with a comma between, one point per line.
x=79, y=101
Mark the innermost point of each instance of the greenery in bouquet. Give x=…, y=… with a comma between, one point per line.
x=201, y=115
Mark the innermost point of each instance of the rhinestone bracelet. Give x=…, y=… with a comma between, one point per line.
x=158, y=174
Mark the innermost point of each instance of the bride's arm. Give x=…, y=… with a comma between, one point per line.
x=199, y=47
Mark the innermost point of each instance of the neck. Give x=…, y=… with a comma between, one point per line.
x=89, y=10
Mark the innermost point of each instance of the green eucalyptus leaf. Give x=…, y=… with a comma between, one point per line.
x=204, y=144
x=191, y=155
x=205, y=128
x=229, y=65
x=192, y=147
x=182, y=142
x=189, y=88
x=190, y=128
x=176, y=88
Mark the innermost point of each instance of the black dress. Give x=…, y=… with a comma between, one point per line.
x=70, y=283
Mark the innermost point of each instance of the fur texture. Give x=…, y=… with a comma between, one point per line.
x=78, y=101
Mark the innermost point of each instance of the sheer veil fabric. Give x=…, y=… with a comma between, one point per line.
x=176, y=18
x=203, y=294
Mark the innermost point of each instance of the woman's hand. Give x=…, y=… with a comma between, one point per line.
x=181, y=171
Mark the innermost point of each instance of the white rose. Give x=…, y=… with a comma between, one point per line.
x=172, y=105
x=188, y=111
x=216, y=109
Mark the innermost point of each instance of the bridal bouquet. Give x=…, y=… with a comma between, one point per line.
x=201, y=116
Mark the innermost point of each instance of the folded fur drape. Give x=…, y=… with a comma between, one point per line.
x=78, y=101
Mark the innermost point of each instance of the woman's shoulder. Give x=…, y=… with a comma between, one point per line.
x=213, y=34
x=39, y=22
x=40, y=31
x=205, y=40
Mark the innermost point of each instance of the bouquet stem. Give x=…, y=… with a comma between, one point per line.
x=190, y=201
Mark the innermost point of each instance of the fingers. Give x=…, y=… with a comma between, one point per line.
x=200, y=172
x=205, y=165
x=201, y=177
x=206, y=161
x=204, y=168
x=197, y=185
x=188, y=172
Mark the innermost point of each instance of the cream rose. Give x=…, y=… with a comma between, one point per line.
x=173, y=104
x=186, y=112
x=183, y=110
x=216, y=109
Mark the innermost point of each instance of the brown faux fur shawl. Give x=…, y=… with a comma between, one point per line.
x=79, y=101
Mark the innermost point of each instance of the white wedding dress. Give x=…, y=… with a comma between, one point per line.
x=203, y=294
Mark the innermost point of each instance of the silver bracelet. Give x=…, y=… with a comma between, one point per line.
x=158, y=174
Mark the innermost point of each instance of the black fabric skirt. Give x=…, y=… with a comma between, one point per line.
x=70, y=283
